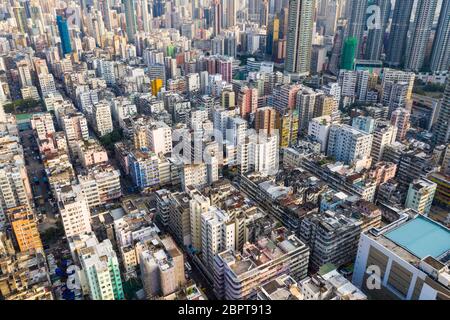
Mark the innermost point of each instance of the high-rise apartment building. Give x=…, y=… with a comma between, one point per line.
x=397, y=43
x=348, y=144
x=130, y=17
x=440, y=58
x=383, y=135
x=43, y=124
x=47, y=84
x=305, y=104
x=357, y=23
x=420, y=195
x=266, y=120
x=74, y=210
x=237, y=275
x=102, y=120
x=375, y=39
x=299, y=37
x=101, y=270
x=23, y=223
x=400, y=119
x=442, y=127
x=420, y=34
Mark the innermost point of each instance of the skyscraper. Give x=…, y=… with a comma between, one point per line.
x=420, y=34
x=375, y=38
x=357, y=21
x=398, y=36
x=442, y=127
x=440, y=58
x=299, y=37
x=64, y=35
x=145, y=15
x=130, y=17
x=229, y=13
x=217, y=16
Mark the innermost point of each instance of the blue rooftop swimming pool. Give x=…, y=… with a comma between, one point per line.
x=422, y=237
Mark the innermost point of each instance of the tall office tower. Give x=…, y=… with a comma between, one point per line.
x=23, y=223
x=264, y=13
x=158, y=8
x=105, y=9
x=273, y=35
x=420, y=195
x=400, y=118
x=74, y=210
x=375, y=38
x=21, y=19
x=357, y=23
x=217, y=11
x=398, y=36
x=101, y=270
x=383, y=135
x=299, y=37
x=440, y=58
x=266, y=120
x=229, y=12
x=130, y=18
x=331, y=16
x=64, y=34
x=349, y=53
x=442, y=126
x=420, y=34
x=348, y=144
x=145, y=16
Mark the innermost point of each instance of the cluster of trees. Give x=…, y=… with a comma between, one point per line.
x=22, y=106
x=110, y=139
x=53, y=234
x=423, y=88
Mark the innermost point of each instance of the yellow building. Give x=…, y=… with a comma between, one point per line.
x=442, y=195
x=25, y=228
x=288, y=126
x=156, y=86
x=325, y=106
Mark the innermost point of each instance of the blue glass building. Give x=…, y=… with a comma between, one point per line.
x=64, y=34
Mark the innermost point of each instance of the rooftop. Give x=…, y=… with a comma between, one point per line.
x=421, y=237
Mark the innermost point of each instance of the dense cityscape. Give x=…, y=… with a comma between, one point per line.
x=225, y=150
